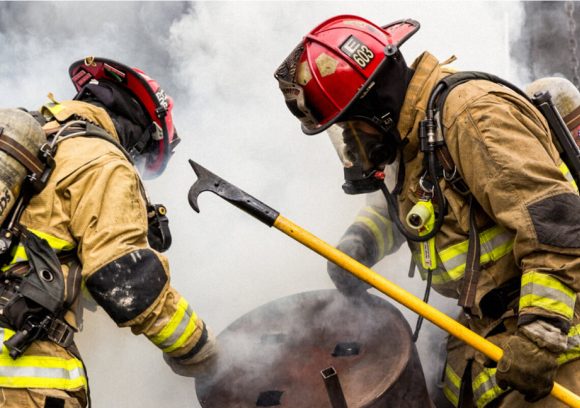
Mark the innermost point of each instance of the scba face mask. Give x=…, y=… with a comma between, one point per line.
x=365, y=151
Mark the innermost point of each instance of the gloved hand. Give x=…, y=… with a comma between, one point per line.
x=526, y=367
x=202, y=364
x=344, y=281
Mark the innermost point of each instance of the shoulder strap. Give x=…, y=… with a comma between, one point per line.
x=451, y=81
x=436, y=103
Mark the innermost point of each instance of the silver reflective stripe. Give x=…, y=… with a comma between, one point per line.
x=495, y=243
x=44, y=372
x=381, y=228
x=566, y=172
x=485, y=388
x=451, y=385
x=574, y=337
x=179, y=330
x=40, y=371
x=573, y=349
x=547, y=292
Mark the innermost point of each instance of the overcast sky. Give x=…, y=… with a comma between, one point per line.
x=217, y=60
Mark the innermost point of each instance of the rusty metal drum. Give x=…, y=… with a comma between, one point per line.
x=317, y=350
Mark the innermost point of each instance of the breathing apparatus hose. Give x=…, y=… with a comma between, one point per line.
x=393, y=206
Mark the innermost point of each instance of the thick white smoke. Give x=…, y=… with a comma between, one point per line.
x=217, y=59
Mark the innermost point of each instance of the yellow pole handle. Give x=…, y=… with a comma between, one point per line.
x=406, y=299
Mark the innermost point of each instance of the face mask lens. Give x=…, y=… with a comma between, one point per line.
x=382, y=155
x=363, y=144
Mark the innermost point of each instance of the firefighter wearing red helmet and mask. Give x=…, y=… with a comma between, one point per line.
x=489, y=209
x=92, y=225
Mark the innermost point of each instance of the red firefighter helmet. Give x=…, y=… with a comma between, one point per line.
x=153, y=99
x=335, y=64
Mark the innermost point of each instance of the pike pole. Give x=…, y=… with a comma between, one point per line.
x=208, y=181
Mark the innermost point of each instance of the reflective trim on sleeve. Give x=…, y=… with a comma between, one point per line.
x=30, y=371
x=566, y=172
x=178, y=330
x=573, y=349
x=548, y=293
x=495, y=243
x=381, y=228
x=451, y=385
x=485, y=388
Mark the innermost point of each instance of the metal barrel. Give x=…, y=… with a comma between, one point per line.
x=317, y=349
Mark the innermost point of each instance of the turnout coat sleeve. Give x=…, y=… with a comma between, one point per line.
x=107, y=219
x=501, y=147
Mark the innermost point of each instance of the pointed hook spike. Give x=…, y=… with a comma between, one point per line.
x=205, y=182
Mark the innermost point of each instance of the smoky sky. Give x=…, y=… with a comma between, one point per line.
x=38, y=37
x=547, y=45
x=217, y=59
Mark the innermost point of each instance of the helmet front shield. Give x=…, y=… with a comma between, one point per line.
x=335, y=66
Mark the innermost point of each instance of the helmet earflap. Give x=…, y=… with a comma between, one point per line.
x=157, y=105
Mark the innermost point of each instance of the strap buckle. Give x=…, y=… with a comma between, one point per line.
x=426, y=186
x=456, y=181
x=60, y=333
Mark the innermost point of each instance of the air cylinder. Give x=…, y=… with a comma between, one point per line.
x=20, y=127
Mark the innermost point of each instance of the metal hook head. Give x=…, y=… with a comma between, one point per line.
x=206, y=181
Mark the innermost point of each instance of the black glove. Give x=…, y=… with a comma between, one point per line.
x=345, y=282
x=526, y=367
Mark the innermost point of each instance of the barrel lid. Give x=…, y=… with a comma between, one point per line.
x=274, y=355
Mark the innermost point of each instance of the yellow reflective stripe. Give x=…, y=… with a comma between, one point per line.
x=546, y=292
x=54, y=108
x=452, y=376
x=388, y=227
x=546, y=304
x=451, y=385
x=566, y=172
x=55, y=243
x=573, y=349
x=178, y=330
x=454, y=399
x=189, y=329
x=172, y=324
x=39, y=371
x=495, y=243
x=376, y=232
x=19, y=256
x=438, y=275
x=485, y=388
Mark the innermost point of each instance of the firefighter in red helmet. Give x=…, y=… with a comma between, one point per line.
x=92, y=225
x=479, y=192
